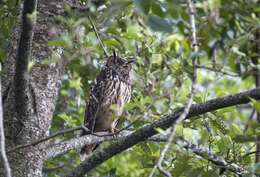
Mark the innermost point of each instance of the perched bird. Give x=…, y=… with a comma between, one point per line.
x=109, y=93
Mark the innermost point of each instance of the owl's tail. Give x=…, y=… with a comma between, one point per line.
x=87, y=150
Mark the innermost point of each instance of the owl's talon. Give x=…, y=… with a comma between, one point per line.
x=114, y=131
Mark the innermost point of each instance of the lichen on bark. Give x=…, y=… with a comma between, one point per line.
x=44, y=83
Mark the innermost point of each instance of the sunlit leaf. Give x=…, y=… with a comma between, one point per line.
x=255, y=104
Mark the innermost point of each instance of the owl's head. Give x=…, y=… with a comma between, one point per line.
x=120, y=65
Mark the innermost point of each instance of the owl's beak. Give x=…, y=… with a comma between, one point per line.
x=131, y=61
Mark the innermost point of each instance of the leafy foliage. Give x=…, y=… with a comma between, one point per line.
x=157, y=34
x=8, y=12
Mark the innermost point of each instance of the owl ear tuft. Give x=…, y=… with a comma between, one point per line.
x=114, y=53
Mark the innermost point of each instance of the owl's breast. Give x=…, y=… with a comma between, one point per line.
x=124, y=95
x=113, y=95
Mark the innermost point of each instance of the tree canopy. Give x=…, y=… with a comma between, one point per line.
x=158, y=34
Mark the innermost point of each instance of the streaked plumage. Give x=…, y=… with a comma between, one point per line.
x=111, y=90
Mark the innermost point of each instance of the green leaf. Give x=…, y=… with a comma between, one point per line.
x=133, y=32
x=224, y=143
x=143, y=5
x=75, y=83
x=112, y=43
x=219, y=125
x=157, y=9
x=145, y=147
x=255, y=104
x=160, y=24
x=68, y=119
x=234, y=130
x=157, y=58
x=236, y=50
x=61, y=43
x=159, y=130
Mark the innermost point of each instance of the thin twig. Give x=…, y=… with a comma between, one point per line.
x=117, y=132
x=216, y=70
x=34, y=143
x=250, y=153
x=86, y=9
x=250, y=118
x=97, y=35
x=170, y=139
x=3, y=155
x=81, y=8
x=189, y=103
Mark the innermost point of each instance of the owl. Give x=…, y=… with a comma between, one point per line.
x=108, y=95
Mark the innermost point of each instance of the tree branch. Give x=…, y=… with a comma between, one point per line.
x=101, y=155
x=21, y=78
x=97, y=35
x=205, y=154
x=217, y=160
x=34, y=143
x=78, y=142
x=61, y=148
x=62, y=132
x=3, y=156
x=217, y=70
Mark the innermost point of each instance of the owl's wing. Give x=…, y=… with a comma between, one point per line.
x=92, y=106
x=102, y=93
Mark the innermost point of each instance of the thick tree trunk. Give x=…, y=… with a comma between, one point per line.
x=45, y=81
